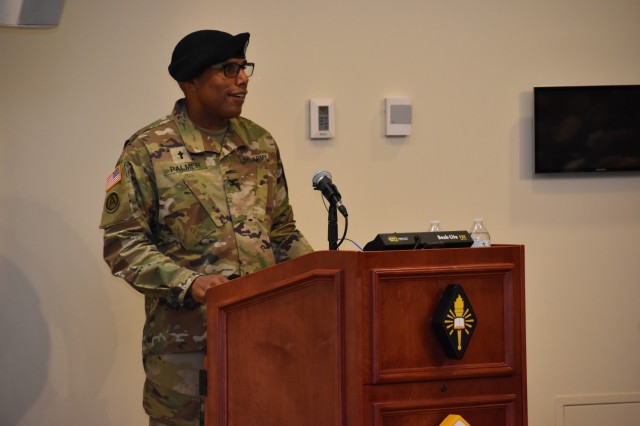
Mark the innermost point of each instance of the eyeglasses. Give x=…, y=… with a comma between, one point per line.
x=231, y=69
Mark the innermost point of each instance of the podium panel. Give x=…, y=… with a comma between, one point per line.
x=345, y=338
x=275, y=342
x=405, y=300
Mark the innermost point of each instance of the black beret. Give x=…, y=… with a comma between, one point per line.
x=201, y=49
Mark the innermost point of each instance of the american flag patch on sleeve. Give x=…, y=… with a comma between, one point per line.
x=114, y=178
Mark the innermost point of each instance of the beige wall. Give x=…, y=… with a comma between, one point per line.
x=70, y=96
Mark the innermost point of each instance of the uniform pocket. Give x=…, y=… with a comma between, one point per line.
x=188, y=212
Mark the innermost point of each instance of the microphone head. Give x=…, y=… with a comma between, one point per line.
x=318, y=176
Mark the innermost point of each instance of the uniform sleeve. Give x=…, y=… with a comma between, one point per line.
x=288, y=242
x=128, y=219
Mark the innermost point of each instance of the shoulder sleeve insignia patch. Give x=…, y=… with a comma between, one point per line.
x=112, y=203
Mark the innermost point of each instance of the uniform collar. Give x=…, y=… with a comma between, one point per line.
x=193, y=138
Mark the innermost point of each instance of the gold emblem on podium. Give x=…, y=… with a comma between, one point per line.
x=454, y=420
x=454, y=321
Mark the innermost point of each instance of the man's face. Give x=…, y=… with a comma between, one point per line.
x=214, y=98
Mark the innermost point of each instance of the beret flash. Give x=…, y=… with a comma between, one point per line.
x=201, y=49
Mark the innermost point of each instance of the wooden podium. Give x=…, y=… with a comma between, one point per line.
x=345, y=338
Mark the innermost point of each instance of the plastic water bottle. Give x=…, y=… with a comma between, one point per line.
x=479, y=234
x=434, y=226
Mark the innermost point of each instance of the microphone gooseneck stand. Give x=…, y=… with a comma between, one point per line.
x=333, y=227
x=322, y=182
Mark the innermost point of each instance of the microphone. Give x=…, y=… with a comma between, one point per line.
x=321, y=181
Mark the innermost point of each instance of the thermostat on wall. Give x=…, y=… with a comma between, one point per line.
x=397, y=116
x=322, y=121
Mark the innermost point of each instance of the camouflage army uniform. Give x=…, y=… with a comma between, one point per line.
x=181, y=204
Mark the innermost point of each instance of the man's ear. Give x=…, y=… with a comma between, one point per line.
x=187, y=86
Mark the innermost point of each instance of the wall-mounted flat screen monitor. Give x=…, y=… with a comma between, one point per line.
x=586, y=129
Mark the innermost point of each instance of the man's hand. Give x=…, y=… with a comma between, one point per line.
x=201, y=284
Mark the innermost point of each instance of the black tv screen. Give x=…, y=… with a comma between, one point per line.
x=586, y=129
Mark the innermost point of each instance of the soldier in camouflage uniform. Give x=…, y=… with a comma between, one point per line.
x=196, y=198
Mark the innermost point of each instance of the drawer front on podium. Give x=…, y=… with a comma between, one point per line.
x=480, y=402
x=493, y=410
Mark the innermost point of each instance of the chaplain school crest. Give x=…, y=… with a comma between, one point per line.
x=454, y=321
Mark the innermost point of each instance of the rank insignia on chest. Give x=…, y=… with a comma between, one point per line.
x=180, y=155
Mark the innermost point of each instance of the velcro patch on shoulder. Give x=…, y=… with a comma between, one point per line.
x=114, y=178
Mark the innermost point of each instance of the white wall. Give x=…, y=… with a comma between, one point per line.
x=71, y=95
